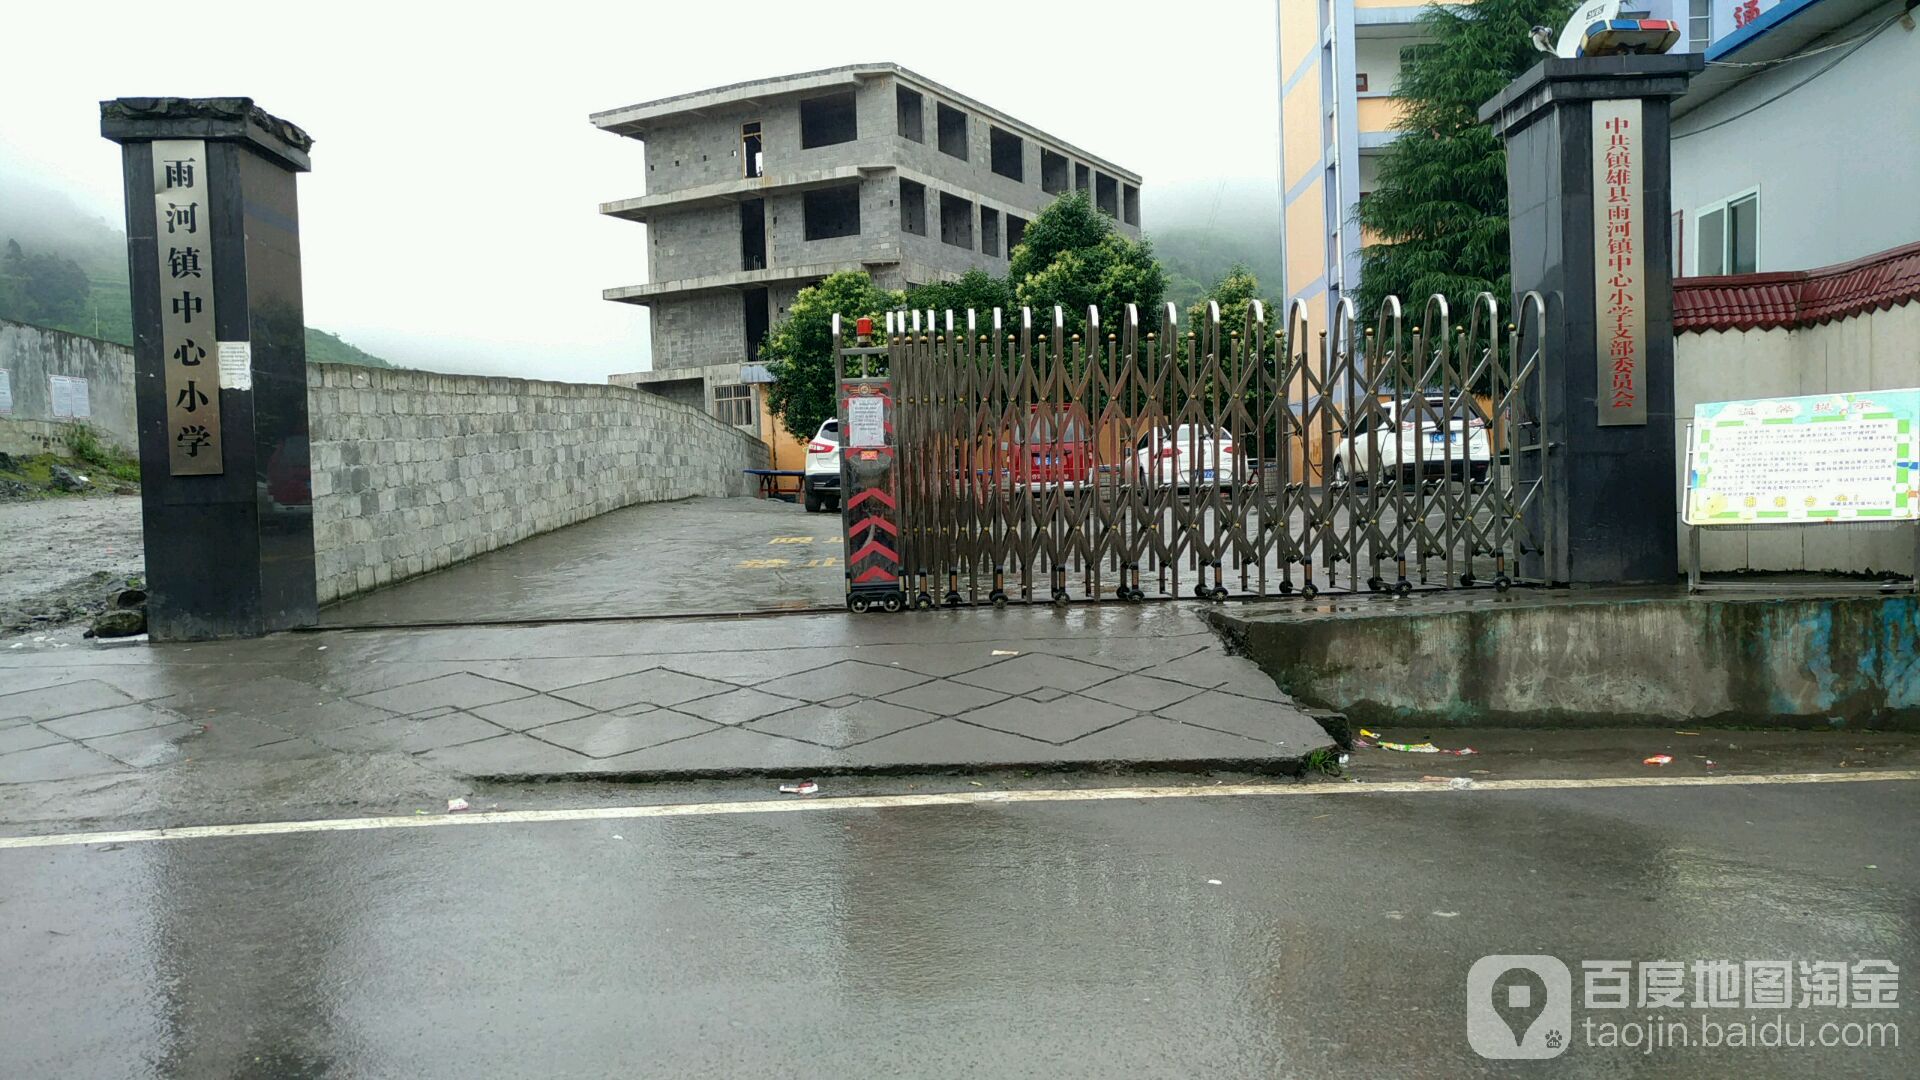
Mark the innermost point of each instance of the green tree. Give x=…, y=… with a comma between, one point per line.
x=1071, y=256
x=1440, y=204
x=975, y=290
x=798, y=351
x=45, y=288
x=1235, y=292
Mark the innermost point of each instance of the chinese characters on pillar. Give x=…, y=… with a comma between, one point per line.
x=1619, y=270
x=181, y=220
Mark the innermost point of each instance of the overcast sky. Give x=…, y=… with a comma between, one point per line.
x=449, y=221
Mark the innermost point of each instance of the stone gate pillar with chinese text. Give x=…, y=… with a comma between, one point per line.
x=1588, y=202
x=213, y=249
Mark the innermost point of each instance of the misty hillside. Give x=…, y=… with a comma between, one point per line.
x=67, y=270
x=1200, y=230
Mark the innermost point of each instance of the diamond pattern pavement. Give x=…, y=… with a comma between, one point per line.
x=788, y=696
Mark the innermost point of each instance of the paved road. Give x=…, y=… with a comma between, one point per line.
x=722, y=556
x=1309, y=934
x=695, y=556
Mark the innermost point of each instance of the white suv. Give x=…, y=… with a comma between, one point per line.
x=820, y=488
x=1391, y=443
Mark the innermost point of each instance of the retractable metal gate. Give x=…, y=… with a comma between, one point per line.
x=1214, y=460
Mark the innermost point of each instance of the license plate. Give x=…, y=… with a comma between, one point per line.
x=1206, y=474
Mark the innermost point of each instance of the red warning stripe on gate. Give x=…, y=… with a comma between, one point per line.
x=874, y=547
x=875, y=573
x=873, y=493
x=875, y=522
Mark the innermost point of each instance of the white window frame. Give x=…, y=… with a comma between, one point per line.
x=1722, y=207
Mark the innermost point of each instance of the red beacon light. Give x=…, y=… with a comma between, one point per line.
x=863, y=327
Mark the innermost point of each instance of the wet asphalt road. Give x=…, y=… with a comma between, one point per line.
x=1043, y=939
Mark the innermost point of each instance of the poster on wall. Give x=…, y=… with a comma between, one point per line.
x=1803, y=460
x=6, y=393
x=68, y=394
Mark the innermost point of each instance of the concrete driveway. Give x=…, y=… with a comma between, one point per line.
x=696, y=556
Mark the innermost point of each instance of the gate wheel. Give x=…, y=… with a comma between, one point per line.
x=923, y=602
x=1502, y=583
x=1467, y=579
x=1060, y=598
x=1402, y=587
x=998, y=599
x=1376, y=584
x=858, y=604
x=893, y=602
x=1308, y=591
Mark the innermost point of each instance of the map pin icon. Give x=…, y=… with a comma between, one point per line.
x=1519, y=996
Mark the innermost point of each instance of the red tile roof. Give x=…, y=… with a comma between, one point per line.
x=1798, y=297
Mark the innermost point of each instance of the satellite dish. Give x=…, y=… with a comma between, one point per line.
x=1601, y=28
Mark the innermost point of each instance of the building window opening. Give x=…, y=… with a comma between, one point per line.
x=1053, y=172
x=912, y=112
x=1106, y=194
x=1016, y=232
x=1699, y=25
x=733, y=404
x=751, y=160
x=1007, y=154
x=1727, y=236
x=825, y=121
x=1130, y=204
x=831, y=212
x=990, y=231
x=956, y=221
x=913, y=208
x=753, y=310
x=1082, y=178
x=753, y=234
x=953, y=131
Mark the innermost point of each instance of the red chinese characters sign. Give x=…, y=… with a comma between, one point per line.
x=1619, y=269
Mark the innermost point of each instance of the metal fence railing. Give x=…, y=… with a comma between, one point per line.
x=1213, y=459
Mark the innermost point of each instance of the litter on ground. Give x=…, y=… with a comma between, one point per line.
x=805, y=787
x=1659, y=759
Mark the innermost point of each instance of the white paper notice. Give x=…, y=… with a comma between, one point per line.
x=69, y=394
x=236, y=365
x=6, y=393
x=866, y=422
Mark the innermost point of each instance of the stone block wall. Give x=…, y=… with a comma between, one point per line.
x=30, y=356
x=415, y=470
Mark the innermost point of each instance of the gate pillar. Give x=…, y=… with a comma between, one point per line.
x=1588, y=195
x=220, y=364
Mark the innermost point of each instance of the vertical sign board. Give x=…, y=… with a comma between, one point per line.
x=1619, y=274
x=188, y=348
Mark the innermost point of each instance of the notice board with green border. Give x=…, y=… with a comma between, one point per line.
x=1804, y=460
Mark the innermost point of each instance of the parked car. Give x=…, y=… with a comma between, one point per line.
x=1391, y=442
x=1052, y=450
x=820, y=487
x=1184, y=456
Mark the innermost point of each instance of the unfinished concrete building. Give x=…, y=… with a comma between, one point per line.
x=757, y=190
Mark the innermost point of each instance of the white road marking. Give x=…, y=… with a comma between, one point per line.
x=950, y=798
